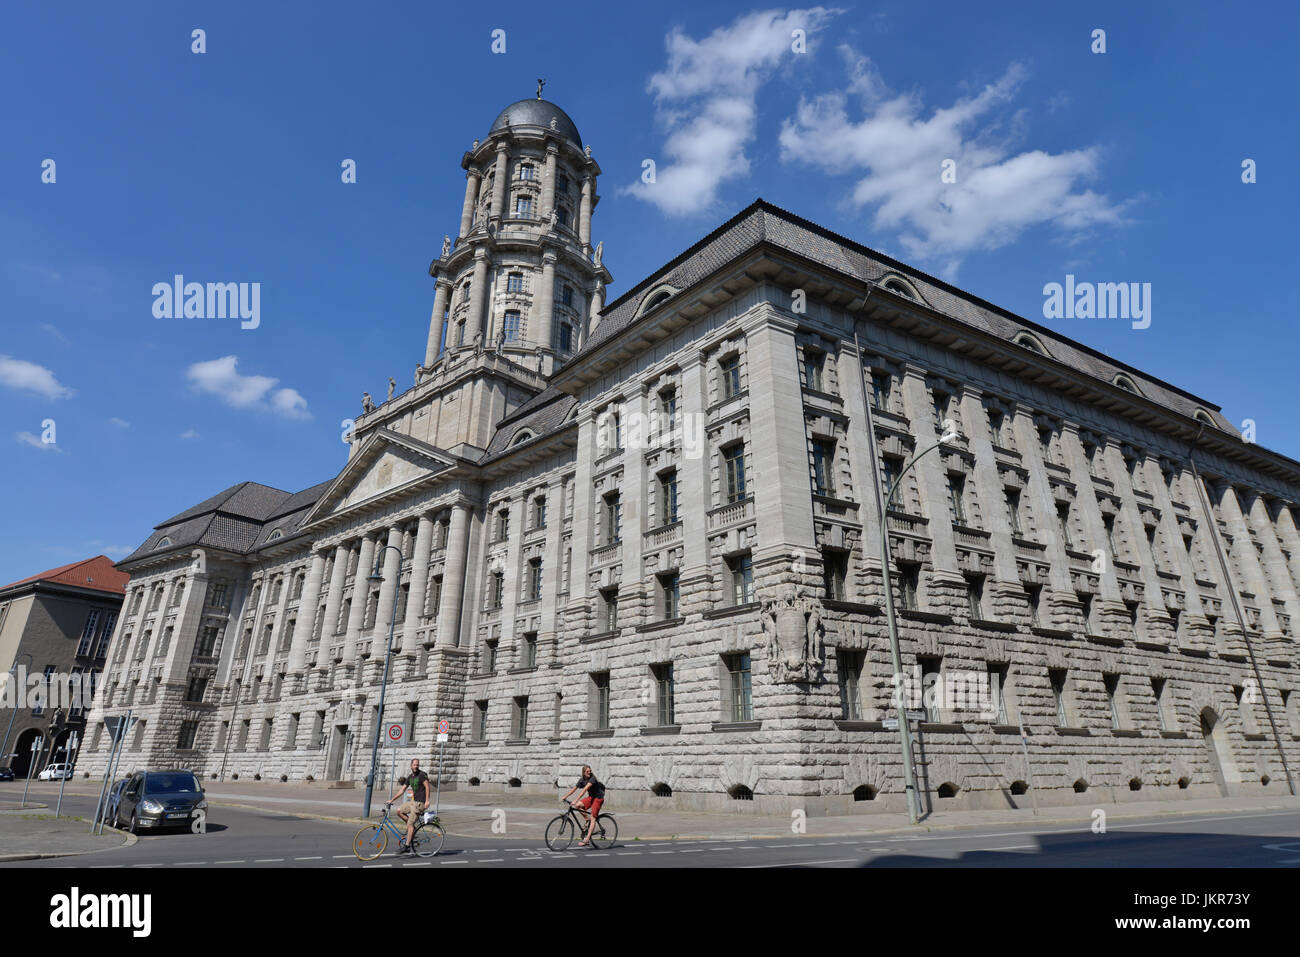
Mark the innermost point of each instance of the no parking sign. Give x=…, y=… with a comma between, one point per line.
x=395, y=734
x=444, y=726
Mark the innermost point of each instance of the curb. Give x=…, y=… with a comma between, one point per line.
x=131, y=841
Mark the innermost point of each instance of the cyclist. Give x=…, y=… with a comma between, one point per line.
x=591, y=795
x=418, y=782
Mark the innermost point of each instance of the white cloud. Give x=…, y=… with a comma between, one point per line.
x=30, y=377
x=120, y=423
x=219, y=377
x=998, y=193
x=34, y=441
x=189, y=434
x=706, y=99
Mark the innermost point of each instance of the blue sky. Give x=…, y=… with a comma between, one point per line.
x=225, y=166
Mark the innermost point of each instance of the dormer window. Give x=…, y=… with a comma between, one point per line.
x=1026, y=341
x=1127, y=384
x=274, y=535
x=163, y=542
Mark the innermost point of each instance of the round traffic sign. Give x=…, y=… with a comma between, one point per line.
x=444, y=726
x=395, y=732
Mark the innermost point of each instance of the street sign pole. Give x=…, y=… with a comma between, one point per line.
x=31, y=765
x=68, y=753
x=444, y=728
x=115, y=757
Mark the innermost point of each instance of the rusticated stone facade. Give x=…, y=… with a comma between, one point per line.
x=603, y=541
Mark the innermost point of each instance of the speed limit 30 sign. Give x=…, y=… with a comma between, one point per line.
x=395, y=734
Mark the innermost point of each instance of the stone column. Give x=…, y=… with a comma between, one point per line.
x=1248, y=561
x=438, y=321
x=388, y=587
x=548, y=184
x=1273, y=562
x=453, y=578
x=501, y=182
x=931, y=479
x=1093, y=524
x=477, y=297
x=330, y=624
x=584, y=216
x=552, y=561
x=360, y=595
x=597, y=304
x=184, y=634
x=419, y=585
x=546, y=301
x=307, y=610
x=467, y=210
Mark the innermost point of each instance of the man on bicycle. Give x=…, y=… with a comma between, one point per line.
x=410, y=811
x=591, y=795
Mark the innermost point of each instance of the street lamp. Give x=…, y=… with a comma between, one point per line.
x=377, y=577
x=883, y=503
x=13, y=676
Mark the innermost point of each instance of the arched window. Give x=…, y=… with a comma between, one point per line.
x=1203, y=417
x=1032, y=343
x=655, y=298
x=739, y=792
x=522, y=436
x=163, y=542
x=900, y=287
x=662, y=790
x=1125, y=383
x=274, y=535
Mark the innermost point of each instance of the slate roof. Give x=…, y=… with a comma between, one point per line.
x=96, y=574
x=761, y=222
x=536, y=113
x=542, y=414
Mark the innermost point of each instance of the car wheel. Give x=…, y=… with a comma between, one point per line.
x=135, y=822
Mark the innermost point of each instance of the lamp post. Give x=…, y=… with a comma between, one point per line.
x=883, y=502
x=13, y=676
x=377, y=577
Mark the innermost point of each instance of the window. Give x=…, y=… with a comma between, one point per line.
x=433, y=600
x=528, y=651
x=609, y=608
x=502, y=525
x=823, y=454
x=527, y=171
x=975, y=597
x=510, y=327
x=523, y=207
x=957, y=498
x=295, y=590
x=519, y=718
x=562, y=216
x=740, y=570
x=1063, y=518
x=729, y=372
x=931, y=672
x=490, y=656
x=1087, y=602
x=613, y=518
x=1057, y=678
x=835, y=573
x=105, y=635
x=496, y=589
x=665, y=710
x=1045, y=440
x=997, y=685
x=881, y=384
x=668, y=497
x=558, y=716
x=814, y=364
x=1013, y=511
x=534, y=583
x=88, y=633
x=515, y=282
x=733, y=460
x=538, y=514
x=1111, y=683
x=189, y=731
x=206, y=646
x=480, y=720
x=566, y=337
x=909, y=586
x=219, y=596
x=1158, y=686
x=668, y=408
x=849, y=665
x=890, y=470
x=599, y=701
x=561, y=184
x=738, y=705
x=1108, y=521
x=1034, y=593
x=670, y=596
x=997, y=419
x=566, y=295
x=291, y=733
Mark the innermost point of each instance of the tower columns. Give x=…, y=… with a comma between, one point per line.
x=471, y=193
x=546, y=301
x=438, y=321
x=500, y=183
x=478, y=290
x=584, y=216
x=548, y=184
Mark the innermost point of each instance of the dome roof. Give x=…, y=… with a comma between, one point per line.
x=537, y=113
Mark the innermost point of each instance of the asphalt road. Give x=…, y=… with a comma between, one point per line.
x=239, y=837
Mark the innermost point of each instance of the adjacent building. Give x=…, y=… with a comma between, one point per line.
x=55, y=629
x=646, y=535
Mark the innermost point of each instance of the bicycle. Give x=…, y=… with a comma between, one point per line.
x=564, y=828
x=372, y=840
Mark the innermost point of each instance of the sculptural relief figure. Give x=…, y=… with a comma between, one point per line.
x=446, y=246
x=478, y=342
x=476, y=144
x=555, y=217
x=555, y=122
x=366, y=404
x=392, y=385
x=793, y=628
x=587, y=150
x=420, y=371
x=600, y=251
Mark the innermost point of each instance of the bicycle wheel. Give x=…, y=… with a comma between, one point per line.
x=427, y=840
x=606, y=832
x=370, y=842
x=559, y=833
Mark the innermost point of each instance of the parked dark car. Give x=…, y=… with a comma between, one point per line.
x=6, y=774
x=157, y=799
x=114, y=798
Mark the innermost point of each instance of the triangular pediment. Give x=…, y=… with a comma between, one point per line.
x=387, y=463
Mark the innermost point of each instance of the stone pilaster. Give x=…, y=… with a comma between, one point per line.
x=453, y=578
x=467, y=209
x=419, y=585
x=308, y=607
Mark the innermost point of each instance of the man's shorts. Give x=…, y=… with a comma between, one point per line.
x=591, y=804
x=409, y=808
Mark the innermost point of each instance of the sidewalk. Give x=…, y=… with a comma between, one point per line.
x=503, y=814
x=35, y=833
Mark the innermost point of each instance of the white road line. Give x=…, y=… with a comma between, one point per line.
x=376, y=865
x=227, y=862
x=418, y=864
x=490, y=860
x=337, y=856
x=628, y=853
x=453, y=862
x=782, y=845
x=693, y=850
x=316, y=858
x=189, y=863
x=1012, y=847
x=269, y=860
x=663, y=852
x=843, y=860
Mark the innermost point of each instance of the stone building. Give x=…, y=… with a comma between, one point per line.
x=55, y=626
x=645, y=534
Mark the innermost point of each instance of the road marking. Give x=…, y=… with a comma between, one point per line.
x=190, y=863
x=227, y=862
x=418, y=864
x=490, y=860
x=316, y=858
x=1012, y=847
x=337, y=856
x=843, y=860
x=376, y=865
x=453, y=862
x=663, y=852
x=628, y=853
x=268, y=860
x=693, y=850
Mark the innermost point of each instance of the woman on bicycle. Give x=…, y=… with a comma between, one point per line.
x=591, y=795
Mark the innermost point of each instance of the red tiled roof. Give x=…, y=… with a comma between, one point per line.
x=95, y=573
